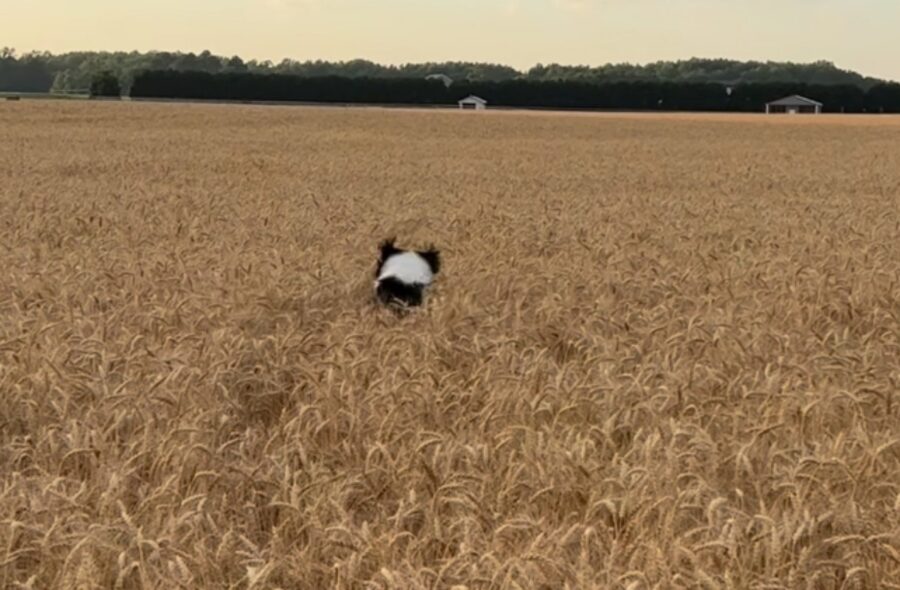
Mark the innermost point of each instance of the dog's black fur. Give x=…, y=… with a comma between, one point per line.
x=391, y=291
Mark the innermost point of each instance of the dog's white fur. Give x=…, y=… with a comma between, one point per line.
x=407, y=267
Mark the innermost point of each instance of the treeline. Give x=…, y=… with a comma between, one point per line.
x=638, y=95
x=283, y=87
x=73, y=72
x=28, y=73
x=722, y=71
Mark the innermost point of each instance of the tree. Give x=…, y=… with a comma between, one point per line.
x=235, y=64
x=884, y=98
x=105, y=83
x=26, y=73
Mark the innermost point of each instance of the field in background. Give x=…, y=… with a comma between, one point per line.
x=664, y=350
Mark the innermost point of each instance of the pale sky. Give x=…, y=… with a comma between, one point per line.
x=862, y=35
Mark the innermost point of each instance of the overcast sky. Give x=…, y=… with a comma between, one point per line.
x=862, y=35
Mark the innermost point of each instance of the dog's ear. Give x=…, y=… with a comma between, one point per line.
x=387, y=249
x=433, y=258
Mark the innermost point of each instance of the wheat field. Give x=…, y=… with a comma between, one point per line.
x=663, y=351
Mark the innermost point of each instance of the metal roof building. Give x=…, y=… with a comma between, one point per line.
x=473, y=102
x=793, y=105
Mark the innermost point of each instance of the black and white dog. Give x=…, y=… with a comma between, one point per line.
x=403, y=276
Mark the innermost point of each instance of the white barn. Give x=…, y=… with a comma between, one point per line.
x=473, y=102
x=793, y=105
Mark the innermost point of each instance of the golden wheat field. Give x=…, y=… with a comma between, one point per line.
x=663, y=351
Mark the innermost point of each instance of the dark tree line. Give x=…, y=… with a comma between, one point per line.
x=28, y=73
x=634, y=95
x=883, y=98
x=723, y=71
x=282, y=87
x=74, y=72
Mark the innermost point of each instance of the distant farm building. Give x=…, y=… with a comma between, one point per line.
x=793, y=105
x=447, y=80
x=475, y=103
